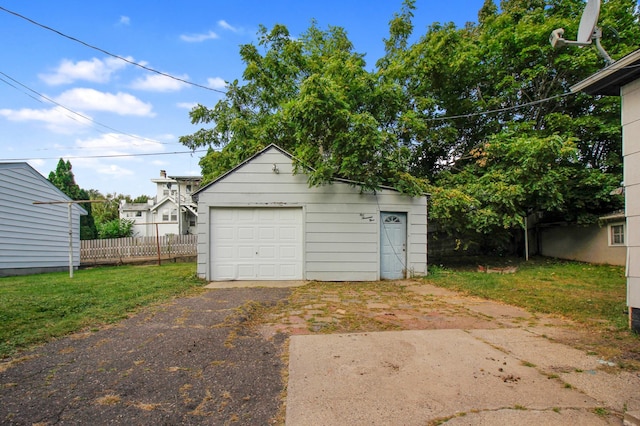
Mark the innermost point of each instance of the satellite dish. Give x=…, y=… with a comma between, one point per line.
x=587, y=31
x=588, y=21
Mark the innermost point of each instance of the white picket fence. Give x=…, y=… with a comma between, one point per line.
x=121, y=249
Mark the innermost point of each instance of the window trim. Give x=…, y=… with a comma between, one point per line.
x=610, y=234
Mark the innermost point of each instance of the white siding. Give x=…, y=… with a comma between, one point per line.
x=34, y=238
x=631, y=149
x=341, y=226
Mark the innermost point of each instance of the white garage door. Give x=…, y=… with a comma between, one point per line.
x=256, y=244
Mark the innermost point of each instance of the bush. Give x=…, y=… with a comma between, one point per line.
x=116, y=228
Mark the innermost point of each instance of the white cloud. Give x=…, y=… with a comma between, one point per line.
x=95, y=70
x=120, y=167
x=197, y=38
x=56, y=119
x=124, y=20
x=94, y=100
x=224, y=24
x=117, y=144
x=186, y=105
x=159, y=83
x=216, y=83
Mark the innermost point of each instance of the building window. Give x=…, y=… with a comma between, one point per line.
x=165, y=215
x=174, y=215
x=616, y=235
x=138, y=214
x=165, y=192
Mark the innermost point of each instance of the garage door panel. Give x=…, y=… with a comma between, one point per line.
x=245, y=270
x=268, y=252
x=288, y=253
x=243, y=253
x=225, y=253
x=287, y=233
x=246, y=233
x=256, y=244
x=267, y=233
x=288, y=272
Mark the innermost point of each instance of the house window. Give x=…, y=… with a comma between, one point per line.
x=616, y=235
x=188, y=189
x=138, y=214
x=174, y=215
x=165, y=192
x=192, y=222
x=165, y=215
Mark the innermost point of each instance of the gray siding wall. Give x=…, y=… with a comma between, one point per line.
x=33, y=238
x=341, y=226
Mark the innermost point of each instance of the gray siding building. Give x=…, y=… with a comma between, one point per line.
x=261, y=222
x=34, y=238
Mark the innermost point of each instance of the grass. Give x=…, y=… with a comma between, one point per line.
x=37, y=308
x=594, y=296
x=590, y=294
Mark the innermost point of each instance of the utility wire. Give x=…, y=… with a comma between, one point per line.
x=105, y=156
x=70, y=110
x=109, y=53
x=475, y=114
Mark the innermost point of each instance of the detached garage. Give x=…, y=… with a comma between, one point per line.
x=261, y=222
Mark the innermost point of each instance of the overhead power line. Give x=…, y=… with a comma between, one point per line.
x=495, y=111
x=148, y=154
x=70, y=110
x=60, y=33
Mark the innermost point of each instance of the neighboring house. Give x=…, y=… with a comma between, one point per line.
x=171, y=211
x=603, y=242
x=34, y=238
x=622, y=78
x=259, y=221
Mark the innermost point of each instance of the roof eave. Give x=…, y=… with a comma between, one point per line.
x=610, y=79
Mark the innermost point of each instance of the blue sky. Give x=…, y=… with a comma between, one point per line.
x=136, y=116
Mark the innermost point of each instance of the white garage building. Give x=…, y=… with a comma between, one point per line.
x=259, y=221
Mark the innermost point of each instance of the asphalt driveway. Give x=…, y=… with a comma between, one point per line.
x=192, y=361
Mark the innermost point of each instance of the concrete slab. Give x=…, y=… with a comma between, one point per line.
x=421, y=376
x=244, y=284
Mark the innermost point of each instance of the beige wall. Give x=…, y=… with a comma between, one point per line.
x=585, y=244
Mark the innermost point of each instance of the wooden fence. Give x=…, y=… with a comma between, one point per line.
x=122, y=249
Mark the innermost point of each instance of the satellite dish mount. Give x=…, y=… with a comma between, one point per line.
x=588, y=32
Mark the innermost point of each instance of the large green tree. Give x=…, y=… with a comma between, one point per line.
x=499, y=83
x=65, y=181
x=314, y=97
x=481, y=115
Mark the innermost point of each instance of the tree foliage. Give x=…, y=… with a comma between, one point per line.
x=64, y=180
x=481, y=115
x=314, y=97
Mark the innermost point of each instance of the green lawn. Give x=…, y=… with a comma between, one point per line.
x=36, y=308
x=591, y=294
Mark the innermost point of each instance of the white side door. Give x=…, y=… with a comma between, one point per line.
x=393, y=245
